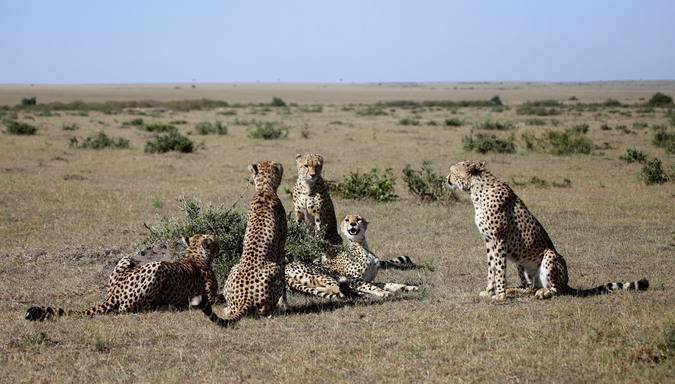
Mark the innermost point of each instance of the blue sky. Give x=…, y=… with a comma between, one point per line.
x=76, y=42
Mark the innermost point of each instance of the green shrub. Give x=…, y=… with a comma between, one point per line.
x=664, y=139
x=640, y=125
x=652, y=173
x=371, y=111
x=580, y=128
x=137, y=122
x=173, y=141
x=100, y=141
x=454, y=122
x=29, y=101
x=659, y=100
x=277, y=102
x=159, y=128
x=633, y=155
x=535, y=121
x=426, y=185
x=408, y=121
x=568, y=142
x=371, y=185
x=17, y=128
x=70, y=127
x=488, y=142
x=268, y=130
x=539, y=108
x=205, y=128
x=229, y=226
x=495, y=126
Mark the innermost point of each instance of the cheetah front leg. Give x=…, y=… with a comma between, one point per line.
x=496, y=287
x=490, y=290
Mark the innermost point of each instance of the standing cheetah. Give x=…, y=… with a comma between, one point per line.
x=512, y=232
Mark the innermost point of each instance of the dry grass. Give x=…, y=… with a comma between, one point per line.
x=67, y=214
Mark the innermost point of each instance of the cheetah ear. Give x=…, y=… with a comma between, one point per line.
x=298, y=156
x=253, y=168
x=476, y=168
x=206, y=244
x=365, y=223
x=279, y=168
x=320, y=157
x=186, y=240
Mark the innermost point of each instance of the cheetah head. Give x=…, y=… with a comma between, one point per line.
x=461, y=173
x=354, y=227
x=204, y=245
x=267, y=174
x=309, y=167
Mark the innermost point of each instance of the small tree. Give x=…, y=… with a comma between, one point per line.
x=659, y=100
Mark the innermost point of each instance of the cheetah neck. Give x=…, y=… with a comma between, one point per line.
x=311, y=186
x=359, y=242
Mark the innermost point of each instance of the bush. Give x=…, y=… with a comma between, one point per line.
x=665, y=139
x=29, y=101
x=205, y=128
x=278, y=102
x=70, y=127
x=229, y=226
x=495, y=126
x=560, y=143
x=408, y=121
x=488, y=142
x=159, y=128
x=580, y=128
x=568, y=142
x=633, y=155
x=173, y=141
x=427, y=185
x=100, y=141
x=268, y=130
x=138, y=122
x=659, y=100
x=454, y=122
x=371, y=185
x=371, y=111
x=652, y=173
x=17, y=128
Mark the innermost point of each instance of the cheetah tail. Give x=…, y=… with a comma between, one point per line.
x=44, y=313
x=401, y=262
x=639, y=285
x=203, y=304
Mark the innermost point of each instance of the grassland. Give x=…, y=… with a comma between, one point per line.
x=67, y=214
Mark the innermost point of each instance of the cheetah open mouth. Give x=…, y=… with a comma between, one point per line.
x=354, y=231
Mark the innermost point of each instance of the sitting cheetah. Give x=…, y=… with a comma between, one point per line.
x=133, y=288
x=357, y=261
x=256, y=283
x=311, y=198
x=512, y=232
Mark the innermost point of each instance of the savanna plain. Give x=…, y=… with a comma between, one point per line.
x=69, y=211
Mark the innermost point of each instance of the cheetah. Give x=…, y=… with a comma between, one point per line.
x=133, y=288
x=512, y=232
x=311, y=198
x=315, y=280
x=256, y=283
x=358, y=262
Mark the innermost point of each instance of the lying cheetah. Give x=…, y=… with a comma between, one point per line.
x=256, y=283
x=357, y=261
x=133, y=288
x=512, y=232
x=315, y=280
x=311, y=198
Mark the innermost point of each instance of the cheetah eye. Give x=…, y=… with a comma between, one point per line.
x=306, y=166
x=346, y=220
